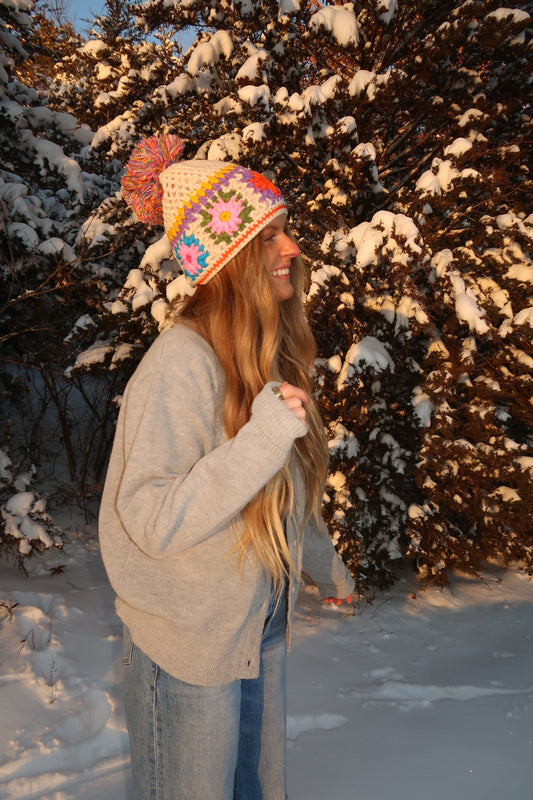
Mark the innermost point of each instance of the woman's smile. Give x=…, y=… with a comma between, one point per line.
x=283, y=272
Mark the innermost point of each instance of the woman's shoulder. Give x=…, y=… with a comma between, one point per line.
x=181, y=340
x=180, y=351
x=178, y=357
x=178, y=345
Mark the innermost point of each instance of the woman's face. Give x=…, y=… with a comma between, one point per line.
x=279, y=250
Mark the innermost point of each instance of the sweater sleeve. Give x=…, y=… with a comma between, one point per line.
x=179, y=486
x=323, y=565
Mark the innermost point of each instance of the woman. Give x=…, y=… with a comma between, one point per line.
x=211, y=508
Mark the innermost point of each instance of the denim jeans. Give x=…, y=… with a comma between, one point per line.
x=209, y=742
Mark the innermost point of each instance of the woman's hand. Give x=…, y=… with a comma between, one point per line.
x=295, y=399
x=338, y=601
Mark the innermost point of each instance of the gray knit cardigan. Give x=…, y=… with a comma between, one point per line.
x=171, y=507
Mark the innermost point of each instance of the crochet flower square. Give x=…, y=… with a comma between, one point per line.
x=225, y=216
x=192, y=255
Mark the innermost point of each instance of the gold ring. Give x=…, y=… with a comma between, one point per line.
x=277, y=392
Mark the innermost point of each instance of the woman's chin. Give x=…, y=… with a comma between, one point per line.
x=283, y=289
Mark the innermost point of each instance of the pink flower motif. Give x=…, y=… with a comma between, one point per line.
x=226, y=216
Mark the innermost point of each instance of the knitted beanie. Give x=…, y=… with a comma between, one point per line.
x=210, y=209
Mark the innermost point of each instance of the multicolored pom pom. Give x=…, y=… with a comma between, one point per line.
x=140, y=183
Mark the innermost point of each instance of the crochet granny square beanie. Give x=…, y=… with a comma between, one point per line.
x=210, y=209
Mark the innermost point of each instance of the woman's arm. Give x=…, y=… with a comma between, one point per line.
x=178, y=485
x=323, y=565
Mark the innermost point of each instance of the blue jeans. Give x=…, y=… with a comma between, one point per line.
x=209, y=742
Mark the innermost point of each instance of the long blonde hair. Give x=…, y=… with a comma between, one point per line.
x=257, y=339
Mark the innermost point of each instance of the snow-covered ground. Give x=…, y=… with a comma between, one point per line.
x=416, y=695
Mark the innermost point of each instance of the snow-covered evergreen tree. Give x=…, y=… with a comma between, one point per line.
x=47, y=282
x=398, y=134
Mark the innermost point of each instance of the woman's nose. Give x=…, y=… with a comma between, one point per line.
x=290, y=247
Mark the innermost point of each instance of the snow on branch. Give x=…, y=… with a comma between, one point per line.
x=208, y=54
x=367, y=352
x=340, y=21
